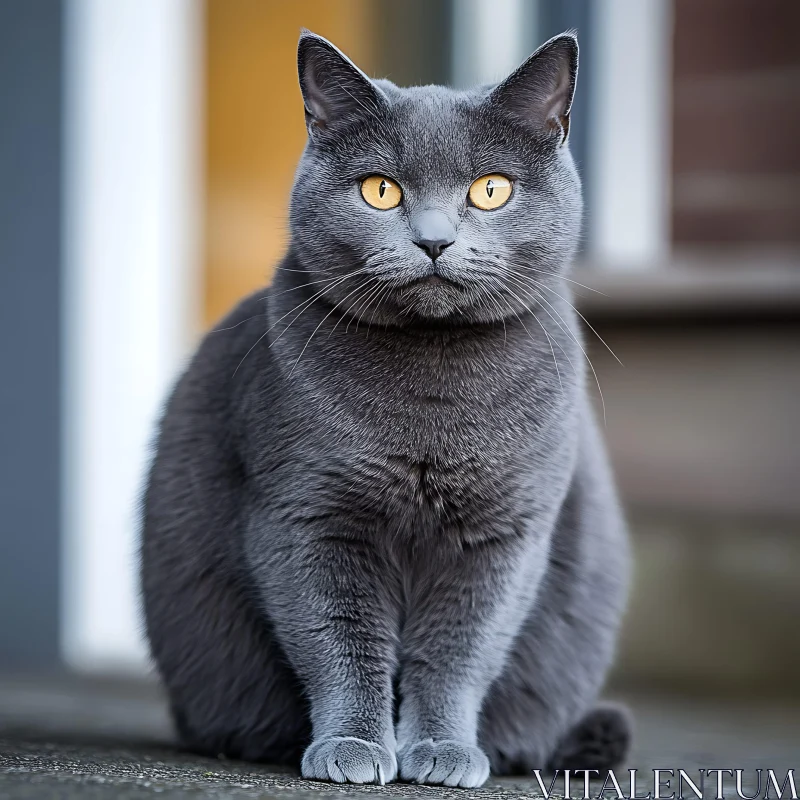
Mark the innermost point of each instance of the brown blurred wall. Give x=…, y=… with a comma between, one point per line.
x=736, y=122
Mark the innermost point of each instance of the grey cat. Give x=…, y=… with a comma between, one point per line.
x=381, y=537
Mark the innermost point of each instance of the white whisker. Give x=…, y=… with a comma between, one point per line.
x=589, y=324
x=305, y=303
x=352, y=305
x=544, y=331
x=321, y=322
x=380, y=298
x=565, y=328
x=365, y=299
x=242, y=322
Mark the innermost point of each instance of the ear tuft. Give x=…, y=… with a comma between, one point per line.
x=540, y=92
x=333, y=87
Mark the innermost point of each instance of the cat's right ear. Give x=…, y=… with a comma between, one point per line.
x=333, y=87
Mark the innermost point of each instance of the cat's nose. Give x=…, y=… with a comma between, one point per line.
x=433, y=247
x=433, y=232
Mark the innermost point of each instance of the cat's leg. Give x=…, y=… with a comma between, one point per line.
x=462, y=621
x=229, y=688
x=542, y=713
x=526, y=726
x=228, y=684
x=600, y=741
x=330, y=598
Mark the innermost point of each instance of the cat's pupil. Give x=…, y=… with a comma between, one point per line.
x=489, y=188
x=382, y=188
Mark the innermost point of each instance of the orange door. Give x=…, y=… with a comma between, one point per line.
x=255, y=131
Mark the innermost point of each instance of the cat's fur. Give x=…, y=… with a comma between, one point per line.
x=380, y=532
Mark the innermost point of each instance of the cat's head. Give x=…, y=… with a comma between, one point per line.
x=428, y=203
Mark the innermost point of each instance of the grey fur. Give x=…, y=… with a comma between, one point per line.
x=380, y=528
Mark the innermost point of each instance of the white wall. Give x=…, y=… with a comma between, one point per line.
x=492, y=38
x=630, y=137
x=630, y=133
x=132, y=189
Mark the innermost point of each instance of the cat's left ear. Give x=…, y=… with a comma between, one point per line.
x=540, y=92
x=333, y=87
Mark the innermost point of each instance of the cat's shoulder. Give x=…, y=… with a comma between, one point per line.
x=239, y=329
x=249, y=313
x=223, y=363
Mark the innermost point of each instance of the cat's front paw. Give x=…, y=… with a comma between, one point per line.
x=447, y=763
x=345, y=759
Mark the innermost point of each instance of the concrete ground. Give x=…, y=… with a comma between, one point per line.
x=73, y=738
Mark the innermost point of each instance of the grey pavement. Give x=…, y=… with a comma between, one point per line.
x=93, y=739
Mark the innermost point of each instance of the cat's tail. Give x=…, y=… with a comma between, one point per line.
x=600, y=741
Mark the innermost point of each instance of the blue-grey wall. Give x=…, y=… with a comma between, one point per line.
x=30, y=284
x=556, y=16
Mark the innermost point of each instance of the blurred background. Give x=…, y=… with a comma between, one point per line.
x=146, y=152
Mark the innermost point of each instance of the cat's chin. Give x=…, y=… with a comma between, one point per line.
x=432, y=298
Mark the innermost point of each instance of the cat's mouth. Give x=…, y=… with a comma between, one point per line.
x=433, y=280
x=431, y=296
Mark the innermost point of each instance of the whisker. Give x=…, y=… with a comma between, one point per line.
x=248, y=352
x=321, y=322
x=535, y=298
x=306, y=303
x=547, y=335
x=313, y=298
x=495, y=264
x=367, y=303
x=566, y=330
x=549, y=342
x=353, y=304
x=303, y=306
x=565, y=278
x=381, y=296
x=502, y=315
x=241, y=322
x=357, y=316
x=589, y=324
x=406, y=310
x=302, y=286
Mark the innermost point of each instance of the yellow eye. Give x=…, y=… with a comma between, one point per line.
x=381, y=192
x=490, y=191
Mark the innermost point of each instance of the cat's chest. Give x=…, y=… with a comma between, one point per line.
x=434, y=433
x=434, y=421
x=431, y=457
